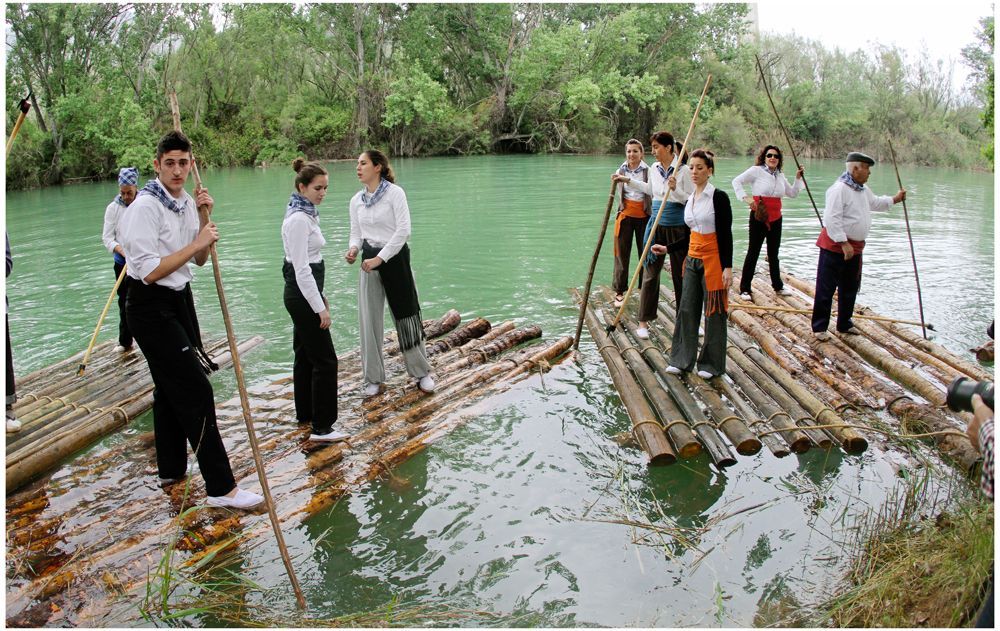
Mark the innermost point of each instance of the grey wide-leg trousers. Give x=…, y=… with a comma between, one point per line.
x=371, y=317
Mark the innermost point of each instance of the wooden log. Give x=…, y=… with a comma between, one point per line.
x=474, y=329
x=958, y=363
x=900, y=404
x=707, y=431
x=780, y=419
x=647, y=429
x=675, y=425
x=849, y=440
x=754, y=419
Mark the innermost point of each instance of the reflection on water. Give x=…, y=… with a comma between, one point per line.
x=531, y=512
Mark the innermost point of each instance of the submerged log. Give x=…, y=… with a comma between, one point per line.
x=648, y=431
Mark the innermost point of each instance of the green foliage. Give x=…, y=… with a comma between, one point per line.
x=267, y=82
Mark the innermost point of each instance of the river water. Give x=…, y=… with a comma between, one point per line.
x=530, y=514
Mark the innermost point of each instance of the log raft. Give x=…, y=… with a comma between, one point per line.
x=785, y=389
x=62, y=413
x=106, y=515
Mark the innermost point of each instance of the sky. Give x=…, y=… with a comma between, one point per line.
x=943, y=28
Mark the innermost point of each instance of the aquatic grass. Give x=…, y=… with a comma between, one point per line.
x=911, y=569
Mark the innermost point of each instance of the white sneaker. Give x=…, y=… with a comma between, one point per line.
x=673, y=370
x=822, y=336
x=642, y=333
x=372, y=389
x=426, y=384
x=13, y=425
x=242, y=499
x=746, y=296
x=619, y=299
x=784, y=291
x=701, y=331
x=333, y=436
x=704, y=374
x=123, y=349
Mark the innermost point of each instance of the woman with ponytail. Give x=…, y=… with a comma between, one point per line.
x=380, y=226
x=315, y=373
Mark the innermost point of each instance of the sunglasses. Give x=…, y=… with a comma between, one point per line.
x=772, y=155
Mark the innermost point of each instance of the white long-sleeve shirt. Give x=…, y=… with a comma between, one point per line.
x=633, y=192
x=384, y=224
x=764, y=184
x=699, y=211
x=303, y=242
x=149, y=231
x=848, y=213
x=657, y=184
x=110, y=233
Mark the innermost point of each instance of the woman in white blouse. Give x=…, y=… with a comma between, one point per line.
x=708, y=273
x=767, y=186
x=315, y=372
x=380, y=226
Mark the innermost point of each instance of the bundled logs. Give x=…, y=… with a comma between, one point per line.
x=62, y=413
x=119, y=519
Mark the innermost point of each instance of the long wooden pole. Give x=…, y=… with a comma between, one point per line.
x=241, y=385
x=663, y=205
x=733, y=306
x=788, y=138
x=25, y=107
x=93, y=338
x=593, y=265
x=909, y=235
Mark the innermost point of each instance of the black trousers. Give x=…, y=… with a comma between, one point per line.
x=758, y=234
x=183, y=402
x=631, y=228
x=11, y=397
x=314, y=376
x=124, y=334
x=676, y=238
x=835, y=274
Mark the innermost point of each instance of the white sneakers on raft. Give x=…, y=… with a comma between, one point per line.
x=372, y=389
x=642, y=333
x=426, y=384
x=704, y=374
x=784, y=291
x=674, y=370
x=746, y=296
x=242, y=500
x=333, y=436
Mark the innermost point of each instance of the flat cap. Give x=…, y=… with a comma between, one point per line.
x=857, y=156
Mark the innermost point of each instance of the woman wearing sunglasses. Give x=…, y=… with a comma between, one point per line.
x=767, y=186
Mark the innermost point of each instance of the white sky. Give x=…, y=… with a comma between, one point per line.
x=943, y=27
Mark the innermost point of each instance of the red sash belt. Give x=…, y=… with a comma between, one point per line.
x=773, y=207
x=824, y=241
x=706, y=248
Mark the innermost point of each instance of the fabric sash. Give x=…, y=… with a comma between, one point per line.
x=706, y=248
x=846, y=178
x=673, y=215
x=401, y=293
x=632, y=208
x=154, y=188
x=370, y=199
x=299, y=204
x=824, y=241
x=773, y=207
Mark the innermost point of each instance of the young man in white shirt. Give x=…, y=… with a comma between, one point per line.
x=161, y=232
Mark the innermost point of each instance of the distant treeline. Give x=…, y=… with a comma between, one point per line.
x=263, y=83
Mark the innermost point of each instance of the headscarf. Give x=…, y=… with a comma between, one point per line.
x=128, y=176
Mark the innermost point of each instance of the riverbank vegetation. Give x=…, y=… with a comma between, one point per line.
x=262, y=83
x=917, y=562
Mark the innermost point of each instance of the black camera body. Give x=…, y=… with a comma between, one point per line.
x=961, y=390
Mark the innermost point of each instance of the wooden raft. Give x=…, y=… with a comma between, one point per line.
x=62, y=413
x=783, y=389
x=99, y=527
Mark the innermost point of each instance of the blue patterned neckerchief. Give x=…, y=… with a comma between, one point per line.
x=624, y=170
x=665, y=174
x=154, y=188
x=769, y=171
x=119, y=200
x=370, y=199
x=299, y=204
x=847, y=179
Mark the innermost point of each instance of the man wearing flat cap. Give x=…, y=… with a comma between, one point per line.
x=847, y=219
x=128, y=180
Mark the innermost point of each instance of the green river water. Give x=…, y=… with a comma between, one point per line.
x=519, y=512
